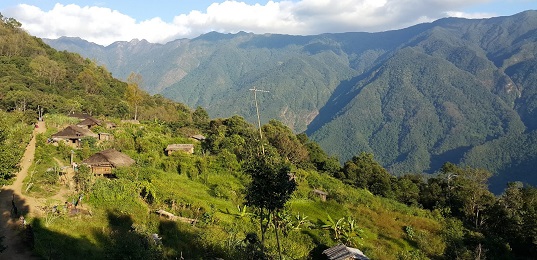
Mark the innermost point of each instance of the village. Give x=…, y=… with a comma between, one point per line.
x=100, y=164
x=70, y=200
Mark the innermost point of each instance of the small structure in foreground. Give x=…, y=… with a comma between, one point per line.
x=103, y=162
x=173, y=217
x=343, y=252
x=198, y=137
x=187, y=148
x=321, y=194
x=106, y=137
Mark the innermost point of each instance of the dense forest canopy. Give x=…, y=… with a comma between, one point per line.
x=35, y=75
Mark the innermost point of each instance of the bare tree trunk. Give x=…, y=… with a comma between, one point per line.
x=276, y=227
x=478, y=251
x=261, y=217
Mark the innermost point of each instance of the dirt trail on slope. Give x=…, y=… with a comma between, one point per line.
x=10, y=225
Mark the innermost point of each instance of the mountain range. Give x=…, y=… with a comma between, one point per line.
x=458, y=90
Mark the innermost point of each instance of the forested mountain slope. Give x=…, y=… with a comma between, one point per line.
x=209, y=188
x=34, y=76
x=239, y=196
x=454, y=89
x=456, y=92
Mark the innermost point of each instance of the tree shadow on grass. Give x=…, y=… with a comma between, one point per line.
x=317, y=252
x=123, y=239
x=12, y=208
x=54, y=245
x=119, y=240
x=177, y=240
x=183, y=240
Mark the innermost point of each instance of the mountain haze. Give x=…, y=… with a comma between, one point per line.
x=455, y=90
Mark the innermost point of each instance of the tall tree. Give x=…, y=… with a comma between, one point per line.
x=285, y=141
x=200, y=118
x=48, y=69
x=270, y=189
x=319, y=158
x=87, y=79
x=512, y=222
x=468, y=192
x=134, y=94
x=364, y=172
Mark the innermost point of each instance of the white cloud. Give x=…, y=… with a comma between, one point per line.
x=104, y=26
x=470, y=16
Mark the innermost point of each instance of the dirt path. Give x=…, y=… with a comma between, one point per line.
x=10, y=225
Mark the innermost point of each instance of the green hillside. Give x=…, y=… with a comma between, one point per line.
x=443, y=96
x=116, y=218
x=237, y=196
x=33, y=75
x=415, y=97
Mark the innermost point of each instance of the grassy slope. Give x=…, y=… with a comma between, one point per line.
x=121, y=219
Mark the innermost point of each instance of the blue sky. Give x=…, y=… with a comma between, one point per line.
x=104, y=22
x=140, y=10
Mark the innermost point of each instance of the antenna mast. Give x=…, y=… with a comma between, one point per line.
x=258, y=119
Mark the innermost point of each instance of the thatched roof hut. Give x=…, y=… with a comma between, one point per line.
x=74, y=132
x=110, y=157
x=72, y=135
x=103, y=162
x=78, y=115
x=89, y=122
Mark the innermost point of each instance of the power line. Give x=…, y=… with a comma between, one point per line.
x=255, y=90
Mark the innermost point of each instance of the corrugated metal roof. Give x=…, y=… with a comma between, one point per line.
x=176, y=147
x=342, y=252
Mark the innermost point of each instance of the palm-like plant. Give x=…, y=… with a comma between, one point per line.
x=334, y=226
x=350, y=232
x=242, y=212
x=343, y=230
x=300, y=221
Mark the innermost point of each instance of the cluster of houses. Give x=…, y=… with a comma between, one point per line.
x=103, y=162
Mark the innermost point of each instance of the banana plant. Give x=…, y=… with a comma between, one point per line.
x=301, y=220
x=350, y=232
x=242, y=212
x=335, y=226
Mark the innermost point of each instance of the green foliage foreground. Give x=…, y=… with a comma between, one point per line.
x=220, y=197
x=249, y=208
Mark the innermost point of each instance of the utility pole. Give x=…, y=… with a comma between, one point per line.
x=258, y=120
